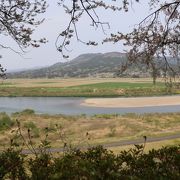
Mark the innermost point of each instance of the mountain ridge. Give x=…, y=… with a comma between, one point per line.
x=88, y=65
x=84, y=65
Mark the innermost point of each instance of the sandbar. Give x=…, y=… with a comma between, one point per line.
x=132, y=102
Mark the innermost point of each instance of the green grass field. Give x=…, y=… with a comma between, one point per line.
x=121, y=85
x=85, y=88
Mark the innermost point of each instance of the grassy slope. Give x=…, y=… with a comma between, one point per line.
x=83, y=130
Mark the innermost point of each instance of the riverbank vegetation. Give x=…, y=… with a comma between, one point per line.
x=85, y=158
x=94, y=163
x=85, y=130
x=86, y=88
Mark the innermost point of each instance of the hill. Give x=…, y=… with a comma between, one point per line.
x=87, y=65
x=84, y=65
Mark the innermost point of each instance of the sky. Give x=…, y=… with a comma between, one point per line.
x=55, y=21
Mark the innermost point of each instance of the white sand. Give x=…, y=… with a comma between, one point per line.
x=133, y=102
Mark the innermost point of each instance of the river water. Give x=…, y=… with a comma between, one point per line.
x=70, y=106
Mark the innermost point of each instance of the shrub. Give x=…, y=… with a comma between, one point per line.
x=33, y=128
x=30, y=125
x=93, y=163
x=41, y=167
x=106, y=116
x=25, y=112
x=12, y=165
x=5, y=121
x=112, y=131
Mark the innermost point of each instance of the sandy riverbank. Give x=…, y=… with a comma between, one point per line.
x=132, y=102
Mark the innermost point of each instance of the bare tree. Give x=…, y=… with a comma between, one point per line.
x=18, y=18
x=76, y=10
x=2, y=71
x=157, y=35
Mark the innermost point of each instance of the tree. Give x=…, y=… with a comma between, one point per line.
x=156, y=36
x=18, y=18
x=2, y=70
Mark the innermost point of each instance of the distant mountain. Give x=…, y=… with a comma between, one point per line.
x=92, y=64
x=25, y=69
x=87, y=65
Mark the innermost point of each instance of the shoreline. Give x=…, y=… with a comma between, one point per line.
x=132, y=102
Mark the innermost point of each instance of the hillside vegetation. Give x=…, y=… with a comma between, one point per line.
x=95, y=65
x=87, y=65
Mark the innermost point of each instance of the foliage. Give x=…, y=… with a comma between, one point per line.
x=30, y=125
x=93, y=163
x=25, y=112
x=5, y=121
x=33, y=128
x=12, y=165
x=112, y=131
x=2, y=72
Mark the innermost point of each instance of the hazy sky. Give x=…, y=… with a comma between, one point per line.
x=55, y=21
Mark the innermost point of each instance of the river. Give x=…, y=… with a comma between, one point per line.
x=70, y=106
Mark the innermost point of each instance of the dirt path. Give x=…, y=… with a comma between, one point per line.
x=116, y=144
x=132, y=102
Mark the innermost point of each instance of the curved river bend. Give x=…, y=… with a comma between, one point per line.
x=71, y=106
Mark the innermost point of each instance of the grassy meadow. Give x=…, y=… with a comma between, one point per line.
x=86, y=87
x=88, y=130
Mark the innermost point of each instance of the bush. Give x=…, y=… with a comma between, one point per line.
x=30, y=125
x=33, y=128
x=12, y=165
x=94, y=163
x=41, y=167
x=5, y=121
x=25, y=112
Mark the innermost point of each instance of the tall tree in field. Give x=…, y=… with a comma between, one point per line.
x=156, y=36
